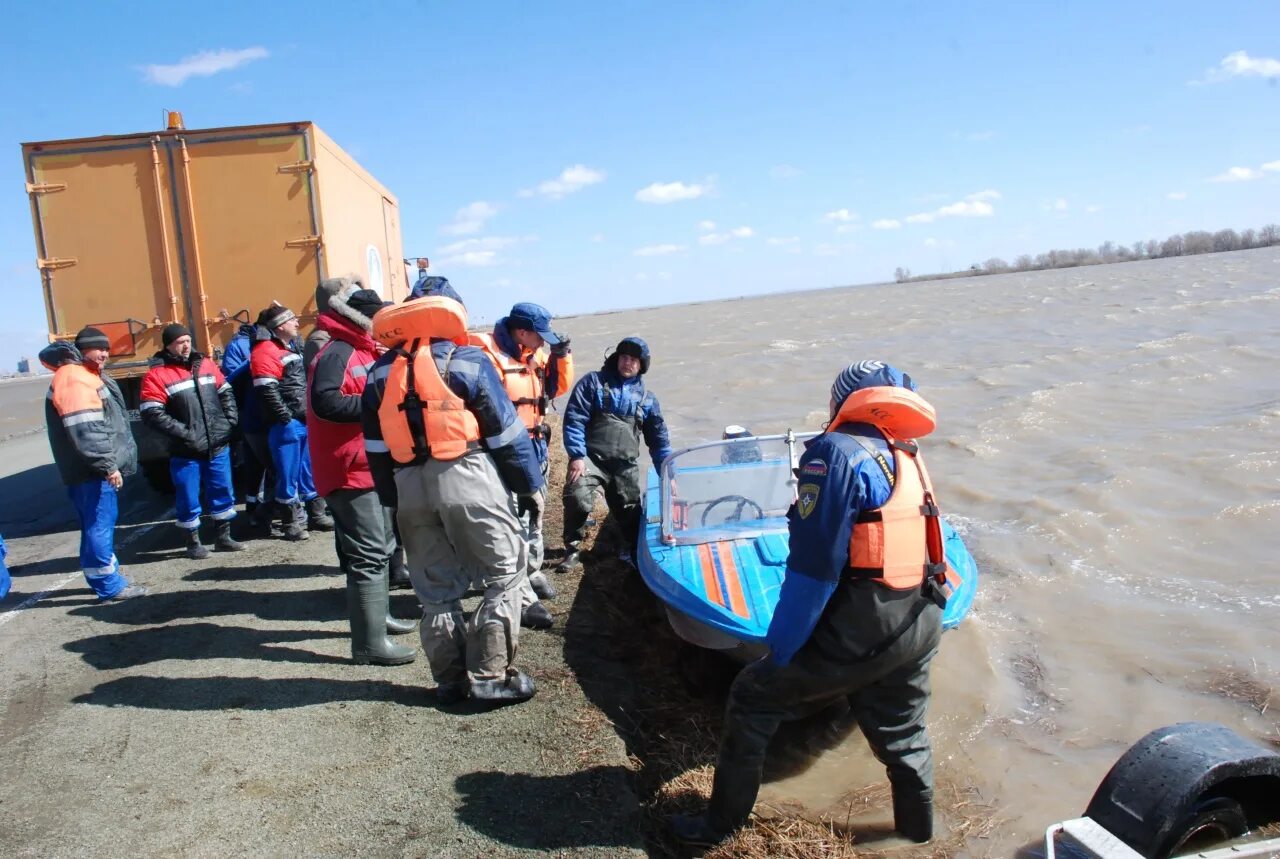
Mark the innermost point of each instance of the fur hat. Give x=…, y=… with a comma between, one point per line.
x=336, y=287
x=360, y=307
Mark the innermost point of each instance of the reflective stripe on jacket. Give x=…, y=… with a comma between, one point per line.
x=191, y=403
x=334, y=435
x=86, y=418
x=279, y=379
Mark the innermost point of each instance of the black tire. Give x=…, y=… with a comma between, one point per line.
x=1210, y=821
x=156, y=473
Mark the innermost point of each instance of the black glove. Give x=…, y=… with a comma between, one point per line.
x=562, y=348
x=527, y=504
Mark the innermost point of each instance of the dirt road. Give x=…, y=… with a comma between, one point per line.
x=221, y=715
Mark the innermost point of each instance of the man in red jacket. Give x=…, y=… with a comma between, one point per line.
x=185, y=397
x=340, y=468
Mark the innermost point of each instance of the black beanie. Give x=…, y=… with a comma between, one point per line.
x=172, y=332
x=365, y=302
x=92, y=338
x=274, y=316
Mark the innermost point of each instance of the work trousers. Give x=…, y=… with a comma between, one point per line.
x=620, y=483
x=215, y=475
x=362, y=533
x=97, y=506
x=532, y=524
x=458, y=520
x=292, y=462
x=887, y=689
x=255, y=475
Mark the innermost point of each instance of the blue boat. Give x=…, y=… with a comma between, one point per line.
x=714, y=546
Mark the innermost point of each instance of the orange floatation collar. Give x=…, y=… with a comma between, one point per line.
x=435, y=317
x=900, y=412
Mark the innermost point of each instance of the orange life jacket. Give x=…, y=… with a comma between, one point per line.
x=898, y=545
x=523, y=381
x=420, y=417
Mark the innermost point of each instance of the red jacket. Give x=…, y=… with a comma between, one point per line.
x=337, y=378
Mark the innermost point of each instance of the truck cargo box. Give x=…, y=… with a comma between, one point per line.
x=203, y=227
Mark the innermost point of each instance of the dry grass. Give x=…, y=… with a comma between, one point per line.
x=1237, y=685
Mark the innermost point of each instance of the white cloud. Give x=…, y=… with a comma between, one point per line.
x=471, y=218
x=721, y=238
x=1272, y=166
x=988, y=194
x=1237, y=174
x=921, y=218
x=658, y=250
x=475, y=253
x=974, y=205
x=785, y=171
x=782, y=240
x=202, y=65
x=1176, y=195
x=706, y=226
x=940, y=243
x=840, y=216
x=570, y=180
x=848, y=228
x=980, y=136
x=1058, y=205
x=1092, y=208
x=1241, y=65
x=886, y=224
x=661, y=193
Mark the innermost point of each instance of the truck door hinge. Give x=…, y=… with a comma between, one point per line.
x=304, y=242
x=45, y=187
x=297, y=167
x=55, y=263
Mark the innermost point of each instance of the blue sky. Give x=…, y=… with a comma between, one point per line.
x=592, y=156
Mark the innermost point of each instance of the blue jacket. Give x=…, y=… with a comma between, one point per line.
x=470, y=375
x=628, y=398
x=842, y=480
x=235, y=367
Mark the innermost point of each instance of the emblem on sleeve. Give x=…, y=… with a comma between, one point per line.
x=814, y=468
x=806, y=499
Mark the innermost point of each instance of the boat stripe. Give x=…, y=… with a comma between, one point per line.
x=710, y=582
x=731, y=577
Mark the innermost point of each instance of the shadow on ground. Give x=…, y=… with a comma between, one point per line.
x=246, y=693
x=200, y=641
x=556, y=812
x=320, y=605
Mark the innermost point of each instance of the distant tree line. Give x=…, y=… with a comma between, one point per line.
x=1183, y=244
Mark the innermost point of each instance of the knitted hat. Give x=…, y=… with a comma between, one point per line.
x=172, y=332
x=274, y=316
x=366, y=302
x=868, y=374
x=92, y=338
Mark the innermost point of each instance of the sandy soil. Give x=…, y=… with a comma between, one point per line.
x=221, y=715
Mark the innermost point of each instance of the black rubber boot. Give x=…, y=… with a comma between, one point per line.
x=572, y=562
x=913, y=816
x=516, y=686
x=295, y=521
x=223, y=541
x=542, y=586
x=318, y=518
x=399, y=571
x=196, y=550
x=397, y=626
x=367, y=601
x=536, y=616
x=695, y=830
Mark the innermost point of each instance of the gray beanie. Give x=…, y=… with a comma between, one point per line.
x=868, y=374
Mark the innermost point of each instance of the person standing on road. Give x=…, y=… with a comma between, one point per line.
x=606, y=416
x=859, y=616
x=448, y=452
x=255, y=475
x=280, y=381
x=533, y=376
x=94, y=451
x=186, y=398
x=362, y=526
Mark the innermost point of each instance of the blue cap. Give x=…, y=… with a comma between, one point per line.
x=533, y=317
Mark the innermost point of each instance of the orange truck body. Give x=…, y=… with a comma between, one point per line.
x=204, y=227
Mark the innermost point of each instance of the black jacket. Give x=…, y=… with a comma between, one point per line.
x=191, y=403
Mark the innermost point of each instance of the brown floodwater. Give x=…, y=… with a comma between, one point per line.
x=1108, y=445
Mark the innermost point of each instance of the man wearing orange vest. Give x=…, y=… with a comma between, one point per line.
x=533, y=377
x=859, y=615
x=449, y=454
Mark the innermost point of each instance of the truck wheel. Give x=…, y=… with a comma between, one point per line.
x=156, y=472
x=1210, y=821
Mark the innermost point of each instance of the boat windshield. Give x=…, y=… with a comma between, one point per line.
x=732, y=489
